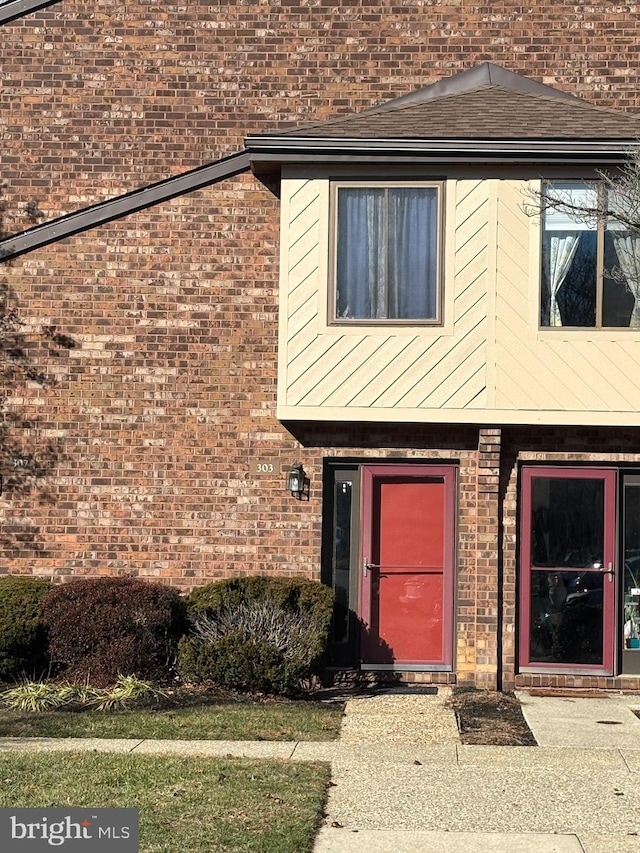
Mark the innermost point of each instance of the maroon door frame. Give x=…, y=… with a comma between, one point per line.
x=371, y=473
x=609, y=477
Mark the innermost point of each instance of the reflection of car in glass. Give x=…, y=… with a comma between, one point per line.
x=585, y=589
x=560, y=606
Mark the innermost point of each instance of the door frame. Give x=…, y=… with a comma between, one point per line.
x=369, y=472
x=609, y=475
x=629, y=658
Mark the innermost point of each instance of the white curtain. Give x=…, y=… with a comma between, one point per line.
x=362, y=254
x=627, y=248
x=387, y=253
x=561, y=252
x=413, y=253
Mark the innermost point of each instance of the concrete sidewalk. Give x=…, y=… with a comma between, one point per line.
x=564, y=796
x=483, y=798
x=439, y=796
x=444, y=799
x=603, y=721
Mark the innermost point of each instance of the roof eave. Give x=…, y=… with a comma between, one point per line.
x=442, y=148
x=14, y=9
x=269, y=153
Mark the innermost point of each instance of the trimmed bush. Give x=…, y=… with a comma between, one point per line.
x=235, y=663
x=256, y=633
x=102, y=628
x=23, y=636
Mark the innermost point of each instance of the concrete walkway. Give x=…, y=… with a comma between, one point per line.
x=400, y=789
x=440, y=796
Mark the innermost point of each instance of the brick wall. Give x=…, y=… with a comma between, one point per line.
x=99, y=96
x=170, y=391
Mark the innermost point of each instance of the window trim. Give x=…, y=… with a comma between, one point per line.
x=600, y=270
x=335, y=321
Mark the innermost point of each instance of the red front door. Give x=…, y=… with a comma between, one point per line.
x=407, y=566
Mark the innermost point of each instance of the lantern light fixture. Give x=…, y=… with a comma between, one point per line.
x=298, y=482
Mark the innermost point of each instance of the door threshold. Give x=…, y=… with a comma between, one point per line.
x=407, y=689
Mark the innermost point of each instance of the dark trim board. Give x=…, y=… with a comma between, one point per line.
x=19, y=8
x=282, y=147
x=115, y=208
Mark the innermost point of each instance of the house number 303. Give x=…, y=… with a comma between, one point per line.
x=258, y=467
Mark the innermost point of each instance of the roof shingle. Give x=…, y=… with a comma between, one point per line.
x=498, y=105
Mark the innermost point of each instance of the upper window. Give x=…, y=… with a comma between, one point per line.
x=590, y=264
x=386, y=253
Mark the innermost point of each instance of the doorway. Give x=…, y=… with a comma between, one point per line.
x=568, y=576
x=389, y=550
x=630, y=574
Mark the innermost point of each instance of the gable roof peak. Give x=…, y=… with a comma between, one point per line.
x=485, y=74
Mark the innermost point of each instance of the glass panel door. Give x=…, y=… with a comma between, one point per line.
x=630, y=621
x=567, y=569
x=340, y=560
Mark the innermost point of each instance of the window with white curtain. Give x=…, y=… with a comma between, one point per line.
x=590, y=264
x=387, y=253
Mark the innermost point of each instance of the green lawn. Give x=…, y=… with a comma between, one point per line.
x=201, y=805
x=220, y=721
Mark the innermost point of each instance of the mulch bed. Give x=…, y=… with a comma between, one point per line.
x=490, y=718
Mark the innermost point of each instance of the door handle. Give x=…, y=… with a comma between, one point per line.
x=420, y=567
x=366, y=565
x=609, y=571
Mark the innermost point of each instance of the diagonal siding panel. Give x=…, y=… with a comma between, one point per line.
x=399, y=356
x=325, y=375
x=416, y=360
x=442, y=370
x=382, y=370
x=343, y=384
x=492, y=258
x=550, y=370
x=365, y=376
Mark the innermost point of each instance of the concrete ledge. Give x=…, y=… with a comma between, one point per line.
x=219, y=748
x=58, y=744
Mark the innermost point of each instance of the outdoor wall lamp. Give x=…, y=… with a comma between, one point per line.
x=298, y=482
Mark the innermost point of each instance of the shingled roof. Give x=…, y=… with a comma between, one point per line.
x=486, y=102
x=483, y=116
x=487, y=112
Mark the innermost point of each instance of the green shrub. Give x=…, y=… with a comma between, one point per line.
x=235, y=663
x=33, y=696
x=256, y=633
x=128, y=692
x=294, y=593
x=23, y=637
x=105, y=627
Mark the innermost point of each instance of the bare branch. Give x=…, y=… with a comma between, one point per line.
x=616, y=194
